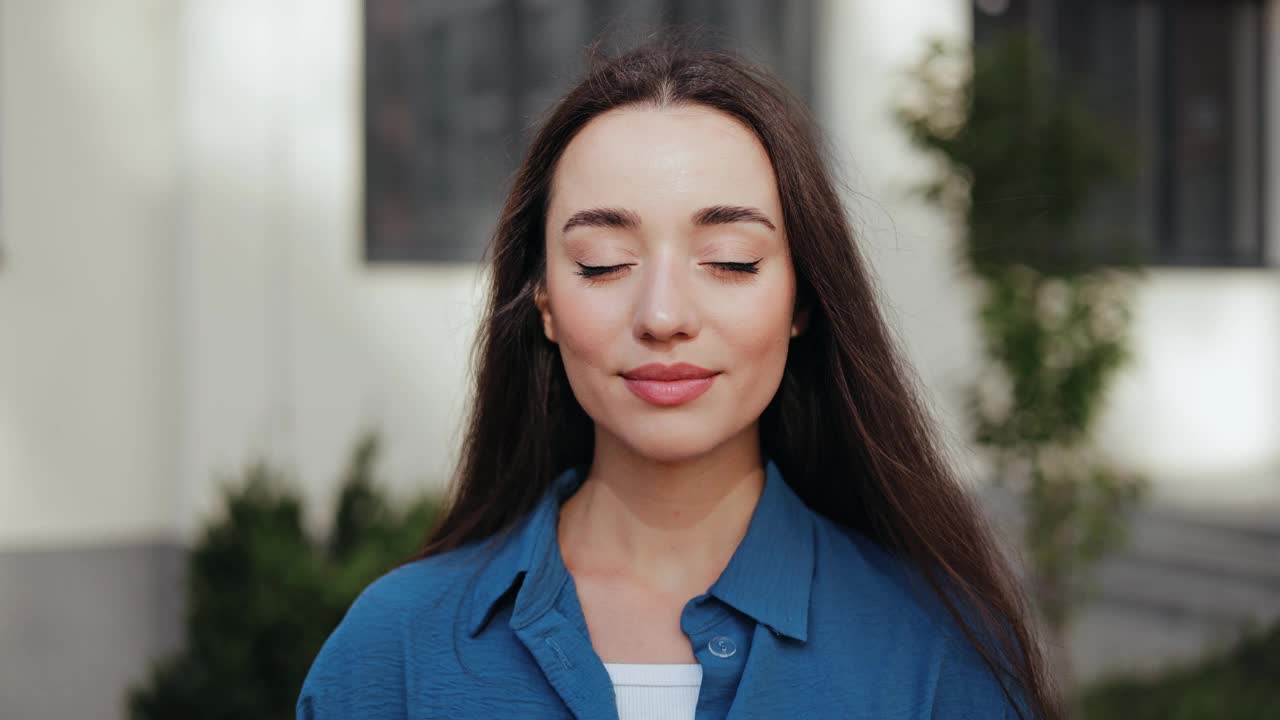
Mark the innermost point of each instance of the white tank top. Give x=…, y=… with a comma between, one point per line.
x=656, y=692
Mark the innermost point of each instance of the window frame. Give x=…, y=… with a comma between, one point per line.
x=1245, y=240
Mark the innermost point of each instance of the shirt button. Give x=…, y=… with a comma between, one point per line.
x=722, y=647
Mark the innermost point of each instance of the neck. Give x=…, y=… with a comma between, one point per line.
x=672, y=525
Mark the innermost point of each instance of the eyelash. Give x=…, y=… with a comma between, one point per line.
x=596, y=272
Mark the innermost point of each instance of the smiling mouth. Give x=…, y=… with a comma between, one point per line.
x=669, y=392
x=668, y=385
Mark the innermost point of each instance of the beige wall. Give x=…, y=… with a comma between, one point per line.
x=290, y=342
x=1199, y=410
x=863, y=50
x=181, y=286
x=87, y=207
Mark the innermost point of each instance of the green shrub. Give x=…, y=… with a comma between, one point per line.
x=263, y=596
x=1020, y=158
x=1242, y=683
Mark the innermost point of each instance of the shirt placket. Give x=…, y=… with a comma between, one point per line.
x=721, y=643
x=571, y=665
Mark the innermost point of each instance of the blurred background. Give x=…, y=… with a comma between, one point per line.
x=239, y=279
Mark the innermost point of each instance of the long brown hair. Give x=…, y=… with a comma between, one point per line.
x=845, y=427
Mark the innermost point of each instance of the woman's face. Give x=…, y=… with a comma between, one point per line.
x=665, y=246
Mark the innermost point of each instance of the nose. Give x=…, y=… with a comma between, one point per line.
x=666, y=309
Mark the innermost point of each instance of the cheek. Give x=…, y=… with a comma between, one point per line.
x=588, y=340
x=587, y=325
x=756, y=332
x=759, y=326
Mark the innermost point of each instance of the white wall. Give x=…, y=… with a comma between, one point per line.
x=86, y=282
x=1199, y=410
x=182, y=285
x=290, y=343
x=864, y=49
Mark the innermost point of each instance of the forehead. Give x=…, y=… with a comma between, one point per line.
x=663, y=160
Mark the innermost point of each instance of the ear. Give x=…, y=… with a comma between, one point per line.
x=799, y=320
x=543, y=303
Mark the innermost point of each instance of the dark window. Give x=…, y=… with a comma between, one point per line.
x=451, y=89
x=1180, y=83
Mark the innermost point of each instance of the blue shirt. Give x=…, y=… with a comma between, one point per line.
x=808, y=620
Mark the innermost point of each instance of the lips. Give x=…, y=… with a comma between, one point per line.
x=669, y=384
x=669, y=373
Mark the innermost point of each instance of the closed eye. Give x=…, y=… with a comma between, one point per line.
x=598, y=270
x=752, y=267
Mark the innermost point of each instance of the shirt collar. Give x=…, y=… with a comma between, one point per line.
x=768, y=577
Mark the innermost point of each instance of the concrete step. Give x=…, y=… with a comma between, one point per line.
x=1185, y=584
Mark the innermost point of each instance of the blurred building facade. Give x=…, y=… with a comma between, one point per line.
x=187, y=281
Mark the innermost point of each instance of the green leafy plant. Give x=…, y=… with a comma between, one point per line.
x=1020, y=157
x=263, y=595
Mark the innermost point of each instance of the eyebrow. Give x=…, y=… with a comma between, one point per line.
x=623, y=218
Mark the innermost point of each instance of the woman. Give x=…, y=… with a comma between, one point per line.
x=695, y=480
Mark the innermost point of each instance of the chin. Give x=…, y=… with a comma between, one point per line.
x=668, y=440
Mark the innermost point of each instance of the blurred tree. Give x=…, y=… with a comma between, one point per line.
x=1020, y=158
x=262, y=596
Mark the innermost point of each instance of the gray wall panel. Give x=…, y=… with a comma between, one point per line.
x=77, y=626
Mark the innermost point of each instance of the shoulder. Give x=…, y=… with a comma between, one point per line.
x=410, y=595
x=894, y=607
x=848, y=562
x=360, y=670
